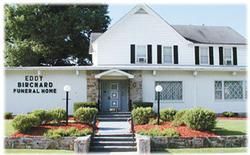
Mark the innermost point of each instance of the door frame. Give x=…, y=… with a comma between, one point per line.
x=121, y=104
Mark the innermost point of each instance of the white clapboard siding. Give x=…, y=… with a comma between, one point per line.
x=200, y=94
x=23, y=103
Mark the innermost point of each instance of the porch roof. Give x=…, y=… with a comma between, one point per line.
x=114, y=73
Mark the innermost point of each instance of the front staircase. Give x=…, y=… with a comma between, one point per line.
x=113, y=133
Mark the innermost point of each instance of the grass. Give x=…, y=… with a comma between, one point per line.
x=26, y=151
x=207, y=150
x=9, y=130
x=231, y=127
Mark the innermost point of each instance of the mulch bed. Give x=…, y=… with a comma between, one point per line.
x=183, y=130
x=39, y=131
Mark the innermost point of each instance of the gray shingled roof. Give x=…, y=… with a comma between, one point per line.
x=200, y=34
x=210, y=34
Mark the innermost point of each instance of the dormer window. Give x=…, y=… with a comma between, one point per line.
x=167, y=55
x=228, y=56
x=141, y=54
x=204, y=56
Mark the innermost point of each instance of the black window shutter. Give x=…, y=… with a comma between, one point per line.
x=149, y=54
x=176, y=54
x=211, y=55
x=159, y=54
x=234, y=55
x=132, y=54
x=197, y=56
x=221, y=55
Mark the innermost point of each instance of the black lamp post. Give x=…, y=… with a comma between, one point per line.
x=158, y=89
x=67, y=89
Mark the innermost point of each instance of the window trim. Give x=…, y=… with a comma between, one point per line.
x=171, y=101
x=162, y=54
x=136, y=57
x=224, y=60
x=223, y=91
x=208, y=58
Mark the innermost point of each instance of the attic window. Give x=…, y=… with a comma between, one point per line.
x=141, y=11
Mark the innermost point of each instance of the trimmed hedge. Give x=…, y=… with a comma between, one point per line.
x=156, y=132
x=25, y=122
x=43, y=115
x=142, y=104
x=57, y=115
x=85, y=115
x=78, y=105
x=70, y=132
x=8, y=115
x=200, y=119
x=229, y=114
x=142, y=115
x=179, y=118
x=168, y=114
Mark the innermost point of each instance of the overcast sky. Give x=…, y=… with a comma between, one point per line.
x=212, y=15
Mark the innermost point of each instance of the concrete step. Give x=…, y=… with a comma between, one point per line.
x=114, y=115
x=112, y=148
x=113, y=143
x=121, y=138
x=112, y=119
x=114, y=135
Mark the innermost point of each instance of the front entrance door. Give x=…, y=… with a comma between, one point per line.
x=114, y=95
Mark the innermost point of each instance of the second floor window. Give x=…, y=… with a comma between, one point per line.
x=167, y=55
x=227, y=56
x=204, y=55
x=141, y=54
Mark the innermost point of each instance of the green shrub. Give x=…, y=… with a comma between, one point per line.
x=228, y=114
x=43, y=115
x=168, y=114
x=70, y=132
x=179, y=118
x=156, y=132
x=153, y=121
x=142, y=115
x=142, y=104
x=85, y=115
x=8, y=115
x=200, y=119
x=23, y=122
x=57, y=115
x=78, y=105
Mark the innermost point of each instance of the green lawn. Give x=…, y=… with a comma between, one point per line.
x=26, y=151
x=9, y=130
x=231, y=127
x=207, y=150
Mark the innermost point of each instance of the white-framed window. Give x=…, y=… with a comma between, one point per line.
x=141, y=54
x=204, y=58
x=172, y=90
x=230, y=90
x=167, y=55
x=218, y=90
x=228, y=58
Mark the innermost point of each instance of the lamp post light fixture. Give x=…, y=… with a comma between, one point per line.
x=158, y=89
x=67, y=89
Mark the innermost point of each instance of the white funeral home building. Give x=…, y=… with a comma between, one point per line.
x=197, y=66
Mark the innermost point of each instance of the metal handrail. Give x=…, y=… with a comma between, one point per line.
x=132, y=127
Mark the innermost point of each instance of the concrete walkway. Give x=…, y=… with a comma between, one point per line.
x=110, y=128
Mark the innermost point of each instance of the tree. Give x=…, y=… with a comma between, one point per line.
x=51, y=34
